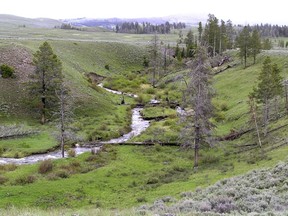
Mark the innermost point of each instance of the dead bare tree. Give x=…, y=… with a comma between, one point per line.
x=253, y=111
x=197, y=130
x=64, y=113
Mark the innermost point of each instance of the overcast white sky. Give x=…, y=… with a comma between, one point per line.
x=239, y=11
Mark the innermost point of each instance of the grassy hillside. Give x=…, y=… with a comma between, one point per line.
x=93, y=106
x=16, y=22
x=123, y=176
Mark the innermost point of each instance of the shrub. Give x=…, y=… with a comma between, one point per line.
x=25, y=180
x=62, y=174
x=150, y=91
x=71, y=153
x=6, y=71
x=45, y=166
x=3, y=180
x=8, y=167
x=141, y=199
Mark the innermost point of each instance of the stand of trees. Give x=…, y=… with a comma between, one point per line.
x=148, y=28
x=268, y=30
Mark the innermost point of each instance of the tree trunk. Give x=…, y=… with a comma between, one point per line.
x=266, y=116
x=254, y=116
x=43, y=114
x=62, y=120
x=196, y=147
x=286, y=97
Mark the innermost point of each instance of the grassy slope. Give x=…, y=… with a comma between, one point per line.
x=93, y=106
x=139, y=173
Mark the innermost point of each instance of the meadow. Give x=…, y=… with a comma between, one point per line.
x=123, y=180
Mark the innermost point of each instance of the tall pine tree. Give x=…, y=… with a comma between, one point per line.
x=269, y=87
x=255, y=44
x=47, y=80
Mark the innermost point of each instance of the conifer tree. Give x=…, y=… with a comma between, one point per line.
x=255, y=44
x=197, y=127
x=200, y=31
x=244, y=42
x=47, y=79
x=269, y=87
x=190, y=46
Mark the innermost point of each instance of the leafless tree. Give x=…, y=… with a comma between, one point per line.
x=197, y=130
x=64, y=114
x=154, y=50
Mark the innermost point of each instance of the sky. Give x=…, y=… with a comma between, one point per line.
x=238, y=11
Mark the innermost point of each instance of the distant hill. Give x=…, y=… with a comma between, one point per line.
x=112, y=22
x=11, y=20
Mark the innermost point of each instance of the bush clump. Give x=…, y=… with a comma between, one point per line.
x=45, y=166
x=6, y=71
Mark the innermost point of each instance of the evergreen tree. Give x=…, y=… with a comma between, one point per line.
x=230, y=34
x=47, y=79
x=197, y=130
x=269, y=87
x=255, y=44
x=200, y=31
x=190, y=46
x=212, y=34
x=244, y=42
x=222, y=37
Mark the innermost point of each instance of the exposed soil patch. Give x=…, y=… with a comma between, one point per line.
x=20, y=59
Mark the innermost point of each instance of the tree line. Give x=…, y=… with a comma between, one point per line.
x=148, y=28
x=268, y=30
x=198, y=51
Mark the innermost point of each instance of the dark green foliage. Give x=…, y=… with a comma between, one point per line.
x=47, y=80
x=6, y=71
x=190, y=44
x=244, y=43
x=107, y=67
x=270, y=82
x=147, y=28
x=255, y=44
x=145, y=62
x=3, y=180
x=269, y=87
x=266, y=44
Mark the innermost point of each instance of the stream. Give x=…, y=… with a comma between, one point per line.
x=138, y=125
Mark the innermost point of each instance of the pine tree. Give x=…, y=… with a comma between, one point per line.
x=244, y=43
x=212, y=34
x=190, y=46
x=47, y=79
x=269, y=87
x=197, y=130
x=255, y=44
x=200, y=31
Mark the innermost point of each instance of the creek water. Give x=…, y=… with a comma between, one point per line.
x=138, y=125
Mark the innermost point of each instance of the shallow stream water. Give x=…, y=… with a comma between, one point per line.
x=138, y=125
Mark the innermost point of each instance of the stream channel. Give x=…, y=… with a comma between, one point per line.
x=138, y=125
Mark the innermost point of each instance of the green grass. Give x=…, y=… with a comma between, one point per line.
x=136, y=173
x=124, y=176
x=19, y=147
